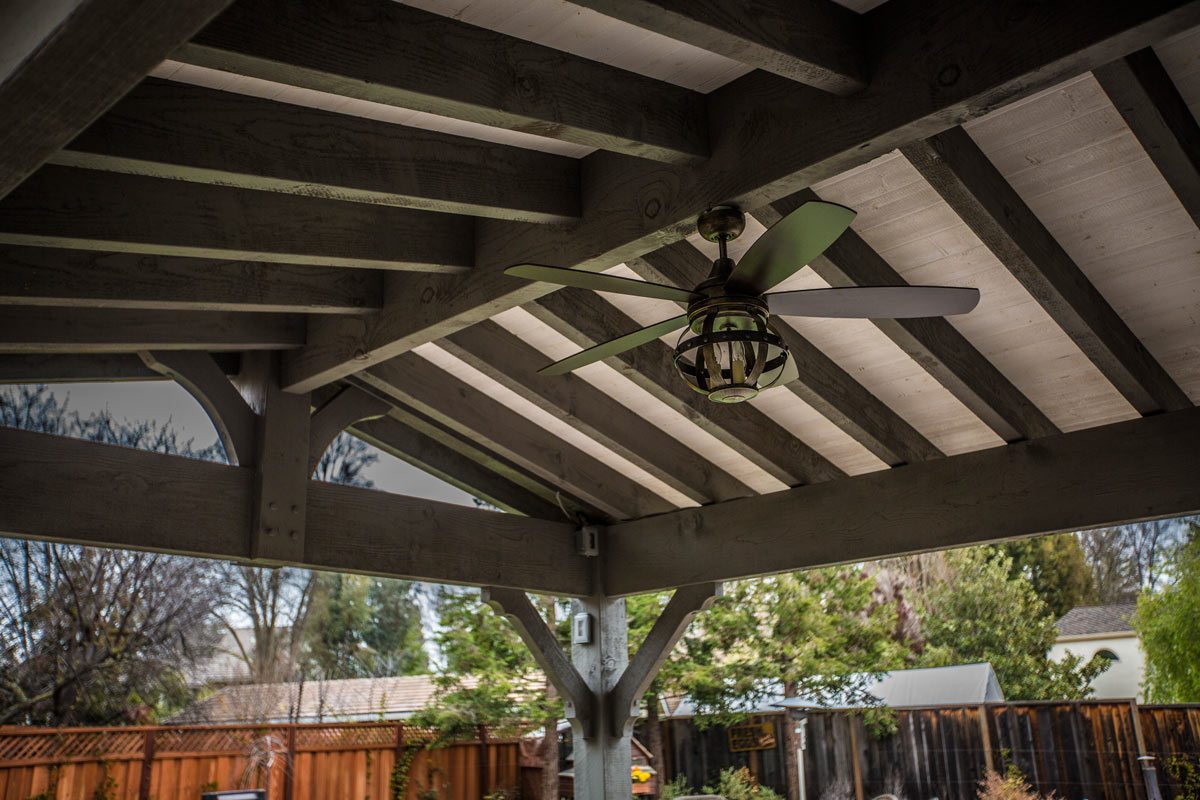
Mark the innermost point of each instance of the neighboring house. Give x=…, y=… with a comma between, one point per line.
x=1105, y=631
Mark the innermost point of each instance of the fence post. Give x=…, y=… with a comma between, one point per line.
x=985, y=738
x=854, y=763
x=289, y=765
x=147, y=765
x=483, y=762
x=1145, y=760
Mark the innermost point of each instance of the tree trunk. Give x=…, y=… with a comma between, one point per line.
x=654, y=740
x=790, y=743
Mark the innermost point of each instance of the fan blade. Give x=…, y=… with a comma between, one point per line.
x=600, y=282
x=614, y=346
x=788, y=246
x=875, y=302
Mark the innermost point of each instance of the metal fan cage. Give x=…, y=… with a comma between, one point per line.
x=731, y=353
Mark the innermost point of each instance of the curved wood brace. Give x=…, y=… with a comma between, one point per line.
x=347, y=407
x=204, y=380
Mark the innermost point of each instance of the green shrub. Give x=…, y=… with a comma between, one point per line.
x=738, y=784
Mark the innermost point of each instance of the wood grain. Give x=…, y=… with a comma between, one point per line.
x=332, y=416
x=93, y=279
x=63, y=63
x=165, y=129
x=92, y=210
x=388, y=53
x=72, y=368
x=1071, y=481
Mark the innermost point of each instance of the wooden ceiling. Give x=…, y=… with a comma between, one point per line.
x=343, y=181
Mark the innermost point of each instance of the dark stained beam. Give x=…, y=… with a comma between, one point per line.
x=1148, y=99
x=41, y=329
x=972, y=186
x=107, y=496
x=935, y=63
x=385, y=52
x=424, y=386
x=815, y=42
x=63, y=63
x=1067, y=482
x=70, y=368
x=822, y=384
x=91, y=210
x=93, y=279
x=587, y=319
x=173, y=130
x=506, y=359
x=933, y=343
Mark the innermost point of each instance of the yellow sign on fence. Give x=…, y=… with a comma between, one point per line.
x=756, y=736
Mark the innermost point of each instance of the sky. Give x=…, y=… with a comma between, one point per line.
x=163, y=400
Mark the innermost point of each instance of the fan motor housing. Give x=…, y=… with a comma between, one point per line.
x=730, y=351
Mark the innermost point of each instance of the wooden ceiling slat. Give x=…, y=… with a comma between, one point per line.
x=587, y=319
x=64, y=63
x=91, y=279
x=166, y=129
x=40, y=329
x=932, y=62
x=972, y=186
x=1147, y=98
x=385, y=52
x=504, y=358
x=436, y=393
x=933, y=342
x=815, y=42
x=92, y=210
x=822, y=383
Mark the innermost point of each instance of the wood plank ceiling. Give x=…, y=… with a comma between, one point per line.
x=343, y=179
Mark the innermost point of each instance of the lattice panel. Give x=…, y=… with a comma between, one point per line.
x=219, y=740
x=345, y=736
x=50, y=745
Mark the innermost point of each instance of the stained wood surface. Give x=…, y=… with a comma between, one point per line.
x=167, y=129
x=388, y=53
x=63, y=63
x=1071, y=481
x=332, y=416
x=92, y=279
x=92, y=210
x=74, y=367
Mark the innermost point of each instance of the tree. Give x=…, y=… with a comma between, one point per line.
x=365, y=628
x=1056, y=566
x=1129, y=558
x=90, y=635
x=1168, y=622
x=988, y=613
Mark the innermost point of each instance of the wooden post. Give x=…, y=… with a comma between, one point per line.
x=855, y=765
x=147, y=765
x=289, y=765
x=483, y=762
x=985, y=737
x=1145, y=760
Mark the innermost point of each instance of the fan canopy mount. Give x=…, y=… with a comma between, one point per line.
x=730, y=349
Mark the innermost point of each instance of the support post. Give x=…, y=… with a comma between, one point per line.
x=289, y=766
x=147, y=766
x=482, y=762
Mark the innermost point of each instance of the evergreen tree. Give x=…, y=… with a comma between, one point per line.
x=365, y=628
x=1168, y=622
x=1057, y=568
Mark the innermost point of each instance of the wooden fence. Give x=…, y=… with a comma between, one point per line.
x=352, y=761
x=1091, y=750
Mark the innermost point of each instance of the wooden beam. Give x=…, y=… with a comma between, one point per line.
x=936, y=63
x=932, y=342
x=1148, y=99
x=436, y=393
x=815, y=42
x=389, y=53
x=962, y=174
x=822, y=384
x=33, y=329
x=506, y=359
x=173, y=130
x=345, y=408
x=93, y=279
x=586, y=318
x=63, y=63
x=1071, y=481
x=71, y=368
x=91, y=210
x=102, y=495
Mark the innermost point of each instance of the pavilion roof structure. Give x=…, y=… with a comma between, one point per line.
x=301, y=210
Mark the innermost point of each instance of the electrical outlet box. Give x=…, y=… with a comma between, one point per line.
x=588, y=543
x=581, y=628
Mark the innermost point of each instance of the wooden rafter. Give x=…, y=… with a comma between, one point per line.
x=969, y=183
x=933, y=343
x=436, y=393
x=121, y=497
x=137, y=214
x=587, y=319
x=78, y=368
x=1070, y=481
x=385, y=52
x=172, y=130
x=66, y=62
x=92, y=279
x=815, y=42
x=822, y=384
x=506, y=359
x=1148, y=99
x=935, y=63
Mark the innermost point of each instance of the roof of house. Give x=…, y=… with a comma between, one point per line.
x=1089, y=620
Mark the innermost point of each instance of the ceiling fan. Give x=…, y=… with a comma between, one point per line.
x=730, y=350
